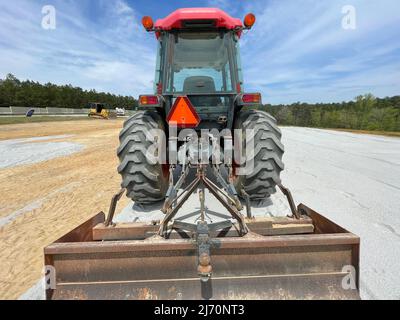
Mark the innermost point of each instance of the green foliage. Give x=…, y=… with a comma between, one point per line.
x=14, y=92
x=365, y=113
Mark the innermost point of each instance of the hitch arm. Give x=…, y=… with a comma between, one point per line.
x=289, y=197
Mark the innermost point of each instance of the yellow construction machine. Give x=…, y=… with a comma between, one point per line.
x=98, y=110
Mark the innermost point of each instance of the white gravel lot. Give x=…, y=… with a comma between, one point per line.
x=33, y=150
x=352, y=179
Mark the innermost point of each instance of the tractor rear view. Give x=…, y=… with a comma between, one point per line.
x=200, y=131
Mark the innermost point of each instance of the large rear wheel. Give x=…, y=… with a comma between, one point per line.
x=261, y=180
x=145, y=181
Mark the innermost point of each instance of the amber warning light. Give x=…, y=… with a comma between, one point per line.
x=249, y=20
x=183, y=114
x=148, y=23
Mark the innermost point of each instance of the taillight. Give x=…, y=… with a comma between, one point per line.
x=149, y=101
x=251, y=98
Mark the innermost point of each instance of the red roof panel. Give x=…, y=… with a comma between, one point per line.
x=174, y=20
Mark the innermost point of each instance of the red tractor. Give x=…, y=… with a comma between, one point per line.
x=199, y=86
x=198, y=59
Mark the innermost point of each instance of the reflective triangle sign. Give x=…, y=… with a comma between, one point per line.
x=183, y=114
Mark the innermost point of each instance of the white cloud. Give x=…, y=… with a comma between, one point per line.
x=123, y=8
x=111, y=54
x=296, y=51
x=220, y=4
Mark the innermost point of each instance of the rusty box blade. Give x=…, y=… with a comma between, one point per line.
x=295, y=266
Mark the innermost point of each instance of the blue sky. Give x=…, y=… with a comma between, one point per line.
x=298, y=50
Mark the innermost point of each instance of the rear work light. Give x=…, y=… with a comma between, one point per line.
x=251, y=98
x=149, y=101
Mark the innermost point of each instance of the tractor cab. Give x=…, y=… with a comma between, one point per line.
x=198, y=57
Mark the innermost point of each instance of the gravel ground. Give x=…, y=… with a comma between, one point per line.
x=215, y=212
x=33, y=150
x=352, y=179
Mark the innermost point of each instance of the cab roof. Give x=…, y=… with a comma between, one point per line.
x=182, y=18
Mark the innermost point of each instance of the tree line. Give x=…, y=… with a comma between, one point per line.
x=366, y=112
x=14, y=92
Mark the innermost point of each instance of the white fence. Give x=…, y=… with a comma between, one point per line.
x=21, y=111
x=5, y=111
x=18, y=111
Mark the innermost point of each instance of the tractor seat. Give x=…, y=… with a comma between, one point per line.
x=201, y=84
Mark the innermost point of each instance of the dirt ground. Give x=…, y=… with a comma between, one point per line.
x=55, y=195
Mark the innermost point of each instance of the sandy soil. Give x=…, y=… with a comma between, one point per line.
x=54, y=196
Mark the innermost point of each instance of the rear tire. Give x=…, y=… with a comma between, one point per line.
x=145, y=182
x=268, y=152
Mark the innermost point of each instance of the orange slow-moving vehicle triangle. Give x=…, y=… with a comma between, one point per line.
x=183, y=114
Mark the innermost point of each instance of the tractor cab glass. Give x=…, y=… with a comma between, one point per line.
x=200, y=63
